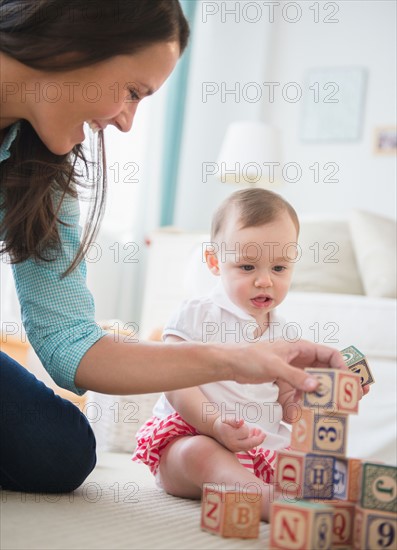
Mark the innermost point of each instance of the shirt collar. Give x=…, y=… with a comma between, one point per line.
x=8, y=140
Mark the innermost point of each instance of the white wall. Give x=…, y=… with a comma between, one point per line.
x=230, y=52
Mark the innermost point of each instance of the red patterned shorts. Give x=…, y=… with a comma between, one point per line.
x=156, y=433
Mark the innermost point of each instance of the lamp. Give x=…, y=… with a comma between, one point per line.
x=249, y=154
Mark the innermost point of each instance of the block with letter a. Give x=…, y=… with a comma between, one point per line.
x=230, y=512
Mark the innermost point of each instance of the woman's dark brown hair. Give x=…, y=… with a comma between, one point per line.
x=38, y=33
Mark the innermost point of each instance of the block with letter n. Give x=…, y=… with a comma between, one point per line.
x=300, y=525
x=230, y=512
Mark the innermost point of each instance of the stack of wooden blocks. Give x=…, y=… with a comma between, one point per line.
x=324, y=499
x=358, y=499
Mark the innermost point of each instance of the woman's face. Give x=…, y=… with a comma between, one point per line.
x=102, y=94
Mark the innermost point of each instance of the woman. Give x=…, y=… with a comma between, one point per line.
x=63, y=64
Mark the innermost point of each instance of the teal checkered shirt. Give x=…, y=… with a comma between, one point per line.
x=58, y=314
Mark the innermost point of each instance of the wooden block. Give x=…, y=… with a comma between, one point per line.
x=343, y=523
x=339, y=391
x=300, y=525
x=374, y=530
x=354, y=479
x=347, y=479
x=320, y=433
x=357, y=363
x=305, y=475
x=229, y=512
x=379, y=487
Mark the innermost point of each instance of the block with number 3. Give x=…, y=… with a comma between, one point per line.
x=320, y=433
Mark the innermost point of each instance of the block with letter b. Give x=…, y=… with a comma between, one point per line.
x=320, y=433
x=300, y=525
x=230, y=512
x=379, y=487
x=338, y=391
x=357, y=363
x=374, y=530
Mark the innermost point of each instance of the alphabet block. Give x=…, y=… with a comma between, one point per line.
x=230, y=512
x=301, y=525
x=374, y=530
x=343, y=523
x=308, y=476
x=357, y=362
x=320, y=433
x=338, y=391
x=347, y=479
x=379, y=487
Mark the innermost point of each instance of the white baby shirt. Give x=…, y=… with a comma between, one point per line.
x=215, y=318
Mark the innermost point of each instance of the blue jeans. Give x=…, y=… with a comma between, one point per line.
x=46, y=443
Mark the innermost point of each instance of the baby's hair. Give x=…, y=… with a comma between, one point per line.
x=254, y=207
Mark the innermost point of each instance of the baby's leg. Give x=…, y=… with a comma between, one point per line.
x=189, y=461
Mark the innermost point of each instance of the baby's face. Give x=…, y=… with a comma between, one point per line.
x=256, y=264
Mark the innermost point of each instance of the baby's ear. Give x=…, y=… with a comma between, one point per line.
x=212, y=261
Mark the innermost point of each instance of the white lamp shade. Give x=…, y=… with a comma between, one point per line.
x=249, y=153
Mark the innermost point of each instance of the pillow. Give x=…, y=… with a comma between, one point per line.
x=327, y=263
x=374, y=241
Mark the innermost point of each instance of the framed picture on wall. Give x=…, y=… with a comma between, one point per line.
x=333, y=104
x=385, y=140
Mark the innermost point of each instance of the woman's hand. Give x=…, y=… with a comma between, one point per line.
x=280, y=360
x=236, y=436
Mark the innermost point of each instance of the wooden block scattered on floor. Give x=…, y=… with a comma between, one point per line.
x=300, y=525
x=230, y=512
x=338, y=391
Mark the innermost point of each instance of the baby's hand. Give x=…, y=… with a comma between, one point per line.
x=236, y=436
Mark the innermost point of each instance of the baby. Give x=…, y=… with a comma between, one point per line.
x=226, y=432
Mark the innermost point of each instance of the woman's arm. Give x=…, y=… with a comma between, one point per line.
x=190, y=403
x=126, y=368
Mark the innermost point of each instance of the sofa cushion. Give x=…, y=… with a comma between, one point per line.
x=327, y=263
x=374, y=241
